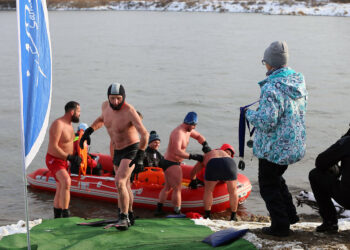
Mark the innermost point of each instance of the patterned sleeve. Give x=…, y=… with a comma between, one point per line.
x=267, y=115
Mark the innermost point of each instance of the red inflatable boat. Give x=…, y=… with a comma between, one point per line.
x=146, y=187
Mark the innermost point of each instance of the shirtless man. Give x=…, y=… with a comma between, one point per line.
x=219, y=166
x=60, y=150
x=175, y=154
x=123, y=125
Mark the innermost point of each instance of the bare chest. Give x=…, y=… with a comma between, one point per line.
x=116, y=121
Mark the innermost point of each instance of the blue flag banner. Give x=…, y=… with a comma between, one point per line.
x=35, y=70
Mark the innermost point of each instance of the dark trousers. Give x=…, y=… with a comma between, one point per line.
x=274, y=191
x=326, y=186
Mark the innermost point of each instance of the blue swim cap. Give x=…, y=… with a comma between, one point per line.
x=82, y=126
x=191, y=118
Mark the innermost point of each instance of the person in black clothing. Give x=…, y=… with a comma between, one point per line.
x=153, y=156
x=331, y=179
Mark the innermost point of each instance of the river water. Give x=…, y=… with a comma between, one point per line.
x=171, y=63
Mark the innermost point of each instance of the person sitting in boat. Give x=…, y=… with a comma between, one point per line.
x=332, y=181
x=93, y=167
x=59, y=152
x=218, y=165
x=130, y=138
x=175, y=154
x=153, y=156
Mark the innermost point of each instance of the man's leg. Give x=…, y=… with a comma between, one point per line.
x=233, y=196
x=322, y=185
x=122, y=176
x=270, y=189
x=208, y=194
x=64, y=191
x=163, y=194
x=174, y=174
x=208, y=197
x=57, y=207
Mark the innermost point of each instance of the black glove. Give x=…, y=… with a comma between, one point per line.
x=206, y=147
x=138, y=161
x=196, y=157
x=74, y=160
x=86, y=137
x=334, y=170
x=193, y=184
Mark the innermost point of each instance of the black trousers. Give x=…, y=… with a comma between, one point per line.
x=325, y=187
x=274, y=191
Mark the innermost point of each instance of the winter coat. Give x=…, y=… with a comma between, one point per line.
x=280, y=118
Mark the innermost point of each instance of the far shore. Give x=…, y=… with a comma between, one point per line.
x=270, y=7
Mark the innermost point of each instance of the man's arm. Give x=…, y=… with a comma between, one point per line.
x=333, y=154
x=197, y=136
x=98, y=123
x=55, y=133
x=136, y=121
x=196, y=170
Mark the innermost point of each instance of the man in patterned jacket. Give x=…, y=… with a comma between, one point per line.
x=280, y=135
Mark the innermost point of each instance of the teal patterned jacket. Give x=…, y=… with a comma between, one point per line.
x=280, y=118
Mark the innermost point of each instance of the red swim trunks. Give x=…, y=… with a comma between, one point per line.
x=55, y=164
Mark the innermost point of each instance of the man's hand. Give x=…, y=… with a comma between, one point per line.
x=86, y=137
x=193, y=184
x=138, y=161
x=206, y=147
x=196, y=157
x=334, y=170
x=74, y=160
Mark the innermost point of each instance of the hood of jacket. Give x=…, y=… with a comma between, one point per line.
x=288, y=81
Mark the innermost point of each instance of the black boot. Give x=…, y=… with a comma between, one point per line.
x=278, y=233
x=65, y=213
x=233, y=216
x=131, y=218
x=123, y=223
x=328, y=227
x=207, y=214
x=57, y=212
x=177, y=210
x=159, y=211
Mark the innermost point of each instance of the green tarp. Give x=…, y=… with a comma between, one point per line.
x=152, y=234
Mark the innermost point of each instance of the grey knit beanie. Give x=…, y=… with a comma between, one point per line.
x=276, y=55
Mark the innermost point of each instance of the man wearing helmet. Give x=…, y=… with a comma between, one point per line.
x=175, y=154
x=124, y=126
x=219, y=166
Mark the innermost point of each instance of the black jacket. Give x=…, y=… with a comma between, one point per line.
x=152, y=158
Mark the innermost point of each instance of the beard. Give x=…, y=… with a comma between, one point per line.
x=75, y=118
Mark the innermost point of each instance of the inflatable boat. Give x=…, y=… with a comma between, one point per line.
x=145, y=187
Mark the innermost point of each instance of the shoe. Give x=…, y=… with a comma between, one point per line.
x=294, y=220
x=233, y=216
x=327, y=227
x=131, y=218
x=123, y=223
x=279, y=233
x=57, y=212
x=65, y=213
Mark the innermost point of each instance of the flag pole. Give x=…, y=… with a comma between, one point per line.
x=26, y=210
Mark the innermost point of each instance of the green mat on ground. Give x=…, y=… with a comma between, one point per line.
x=145, y=234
